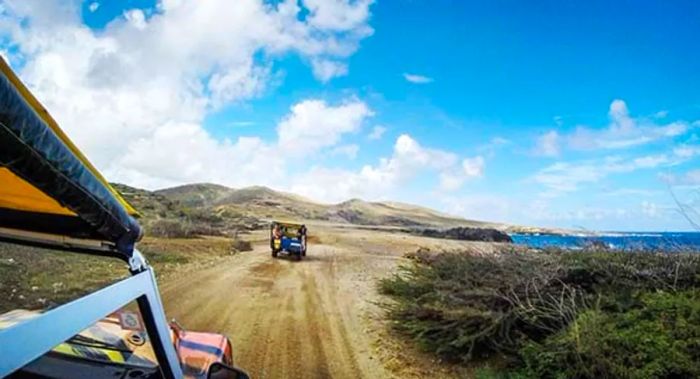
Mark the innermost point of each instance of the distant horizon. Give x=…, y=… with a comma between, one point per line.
x=572, y=229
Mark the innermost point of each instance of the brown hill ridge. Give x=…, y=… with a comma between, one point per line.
x=225, y=208
x=265, y=203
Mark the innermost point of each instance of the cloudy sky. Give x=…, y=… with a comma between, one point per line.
x=571, y=114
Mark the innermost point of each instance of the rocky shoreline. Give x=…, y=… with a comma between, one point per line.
x=465, y=234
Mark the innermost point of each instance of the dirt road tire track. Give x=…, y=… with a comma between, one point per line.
x=286, y=319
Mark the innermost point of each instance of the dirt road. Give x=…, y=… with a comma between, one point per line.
x=287, y=319
x=311, y=319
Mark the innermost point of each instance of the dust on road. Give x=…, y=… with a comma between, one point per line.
x=287, y=319
x=317, y=318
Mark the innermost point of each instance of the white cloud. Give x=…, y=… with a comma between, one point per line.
x=409, y=158
x=453, y=179
x=450, y=182
x=624, y=131
x=159, y=161
x=568, y=176
x=417, y=79
x=136, y=18
x=495, y=142
x=125, y=92
x=661, y=114
x=242, y=82
x=473, y=167
x=377, y=132
x=348, y=151
x=325, y=69
x=408, y=161
x=482, y=207
x=490, y=148
x=687, y=151
x=650, y=209
x=93, y=6
x=690, y=178
x=548, y=144
x=313, y=125
x=542, y=212
x=337, y=15
x=240, y=124
x=625, y=192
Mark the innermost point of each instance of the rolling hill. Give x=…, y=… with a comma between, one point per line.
x=226, y=208
x=265, y=203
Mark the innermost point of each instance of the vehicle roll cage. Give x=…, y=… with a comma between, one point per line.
x=26, y=341
x=85, y=214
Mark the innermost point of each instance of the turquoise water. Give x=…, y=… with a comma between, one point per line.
x=625, y=241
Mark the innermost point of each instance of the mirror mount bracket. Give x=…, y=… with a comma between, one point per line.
x=137, y=262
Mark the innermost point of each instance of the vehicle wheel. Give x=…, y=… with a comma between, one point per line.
x=274, y=253
x=298, y=256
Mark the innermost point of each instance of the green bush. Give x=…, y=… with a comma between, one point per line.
x=463, y=307
x=529, y=308
x=658, y=339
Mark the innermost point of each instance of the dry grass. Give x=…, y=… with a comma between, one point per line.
x=35, y=278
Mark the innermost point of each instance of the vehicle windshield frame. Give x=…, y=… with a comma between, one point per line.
x=41, y=334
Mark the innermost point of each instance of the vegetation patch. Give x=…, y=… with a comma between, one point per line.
x=554, y=314
x=38, y=278
x=240, y=245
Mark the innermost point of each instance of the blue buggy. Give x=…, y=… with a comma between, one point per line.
x=288, y=238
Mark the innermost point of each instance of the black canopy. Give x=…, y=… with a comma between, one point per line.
x=47, y=186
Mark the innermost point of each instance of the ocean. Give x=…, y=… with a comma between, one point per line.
x=672, y=241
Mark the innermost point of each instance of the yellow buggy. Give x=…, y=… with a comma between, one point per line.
x=52, y=197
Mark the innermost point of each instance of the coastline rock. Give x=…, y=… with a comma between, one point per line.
x=468, y=234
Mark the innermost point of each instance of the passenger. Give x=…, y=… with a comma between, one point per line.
x=276, y=232
x=301, y=235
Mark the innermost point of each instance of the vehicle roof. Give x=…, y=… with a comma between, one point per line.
x=48, y=186
x=286, y=223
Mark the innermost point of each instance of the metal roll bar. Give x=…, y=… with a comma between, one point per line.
x=28, y=340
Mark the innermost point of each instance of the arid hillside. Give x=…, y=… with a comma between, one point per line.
x=263, y=202
x=222, y=208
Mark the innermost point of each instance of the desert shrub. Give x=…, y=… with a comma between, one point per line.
x=240, y=245
x=181, y=228
x=205, y=216
x=202, y=229
x=170, y=228
x=313, y=239
x=465, y=307
x=658, y=339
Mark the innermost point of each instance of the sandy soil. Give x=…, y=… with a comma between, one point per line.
x=318, y=318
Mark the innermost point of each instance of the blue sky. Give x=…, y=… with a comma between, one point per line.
x=569, y=114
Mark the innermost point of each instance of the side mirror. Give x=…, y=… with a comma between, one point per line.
x=221, y=371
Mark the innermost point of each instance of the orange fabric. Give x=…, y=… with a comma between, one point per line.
x=196, y=360
x=17, y=194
